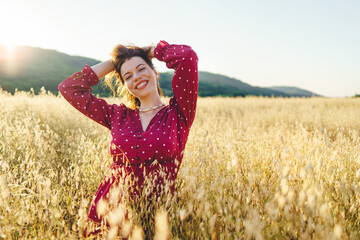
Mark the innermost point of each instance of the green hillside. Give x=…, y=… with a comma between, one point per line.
x=232, y=87
x=295, y=91
x=36, y=67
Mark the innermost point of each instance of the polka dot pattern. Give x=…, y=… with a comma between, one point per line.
x=164, y=139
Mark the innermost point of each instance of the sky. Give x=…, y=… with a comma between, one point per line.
x=311, y=44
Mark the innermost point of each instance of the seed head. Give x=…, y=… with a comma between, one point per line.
x=161, y=225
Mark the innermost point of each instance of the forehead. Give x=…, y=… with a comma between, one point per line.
x=131, y=64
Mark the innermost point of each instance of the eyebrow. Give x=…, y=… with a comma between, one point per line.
x=136, y=67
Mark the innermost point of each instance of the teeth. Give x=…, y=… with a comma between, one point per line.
x=141, y=84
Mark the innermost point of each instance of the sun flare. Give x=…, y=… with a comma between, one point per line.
x=7, y=51
x=15, y=27
x=8, y=58
x=10, y=48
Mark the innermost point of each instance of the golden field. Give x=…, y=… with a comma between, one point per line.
x=254, y=168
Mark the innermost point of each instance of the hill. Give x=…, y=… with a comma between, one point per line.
x=295, y=91
x=36, y=67
x=232, y=87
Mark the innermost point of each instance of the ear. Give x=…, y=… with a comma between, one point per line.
x=157, y=75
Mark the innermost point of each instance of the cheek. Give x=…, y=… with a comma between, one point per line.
x=150, y=73
x=152, y=77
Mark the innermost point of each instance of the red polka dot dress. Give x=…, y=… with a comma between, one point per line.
x=163, y=141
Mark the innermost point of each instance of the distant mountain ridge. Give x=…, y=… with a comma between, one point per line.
x=295, y=91
x=36, y=67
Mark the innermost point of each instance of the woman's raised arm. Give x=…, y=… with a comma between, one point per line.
x=76, y=89
x=184, y=60
x=101, y=69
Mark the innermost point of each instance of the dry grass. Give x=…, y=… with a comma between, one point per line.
x=254, y=168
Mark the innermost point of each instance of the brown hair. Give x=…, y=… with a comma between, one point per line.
x=114, y=80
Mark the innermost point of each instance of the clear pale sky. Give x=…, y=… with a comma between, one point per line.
x=314, y=44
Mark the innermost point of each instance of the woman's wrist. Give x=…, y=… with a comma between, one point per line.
x=103, y=68
x=151, y=52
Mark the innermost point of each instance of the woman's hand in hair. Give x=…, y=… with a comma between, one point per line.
x=150, y=51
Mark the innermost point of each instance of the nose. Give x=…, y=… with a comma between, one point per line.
x=137, y=76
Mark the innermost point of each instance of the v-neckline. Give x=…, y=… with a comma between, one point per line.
x=151, y=120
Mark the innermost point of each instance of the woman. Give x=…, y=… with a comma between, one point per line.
x=146, y=131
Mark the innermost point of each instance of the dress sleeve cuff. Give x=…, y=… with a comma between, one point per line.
x=159, y=50
x=90, y=75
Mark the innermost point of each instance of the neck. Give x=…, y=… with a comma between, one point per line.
x=150, y=101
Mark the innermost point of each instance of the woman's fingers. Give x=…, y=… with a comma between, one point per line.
x=150, y=51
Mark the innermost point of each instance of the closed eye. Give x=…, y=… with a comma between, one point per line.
x=141, y=69
x=128, y=77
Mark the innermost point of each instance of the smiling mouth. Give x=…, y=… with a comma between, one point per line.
x=141, y=85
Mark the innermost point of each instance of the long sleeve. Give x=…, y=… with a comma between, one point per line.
x=184, y=61
x=76, y=89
